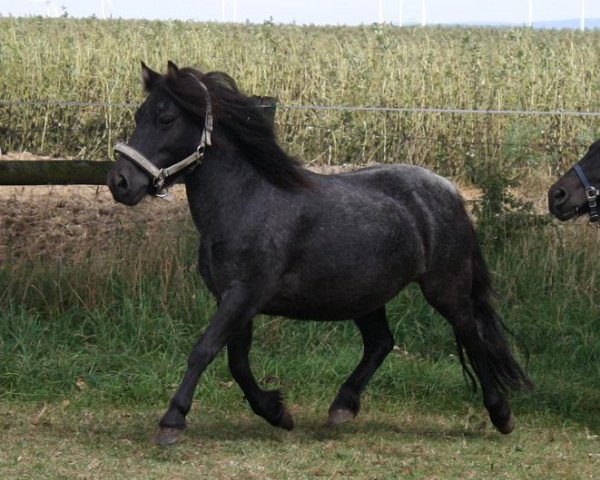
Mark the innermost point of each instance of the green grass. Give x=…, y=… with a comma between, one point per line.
x=92, y=350
x=387, y=441
x=125, y=334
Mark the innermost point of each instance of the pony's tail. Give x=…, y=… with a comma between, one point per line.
x=492, y=352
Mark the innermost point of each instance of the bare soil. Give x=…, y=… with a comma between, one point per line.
x=70, y=220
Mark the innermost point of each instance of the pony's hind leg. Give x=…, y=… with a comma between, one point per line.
x=477, y=328
x=267, y=404
x=378, y=342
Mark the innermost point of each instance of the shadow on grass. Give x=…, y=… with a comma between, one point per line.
x=308, y=431
x=134, y=431
x=579, y=405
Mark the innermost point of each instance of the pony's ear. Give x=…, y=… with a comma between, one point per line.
x=149, y=76
x=172, y=69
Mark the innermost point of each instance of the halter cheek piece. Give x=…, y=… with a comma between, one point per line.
x=160, y=176
x=591, y=193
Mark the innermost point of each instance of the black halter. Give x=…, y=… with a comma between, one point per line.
x=591, y=194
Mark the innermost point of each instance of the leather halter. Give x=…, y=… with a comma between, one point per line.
x=160, y=176
x=591, y=193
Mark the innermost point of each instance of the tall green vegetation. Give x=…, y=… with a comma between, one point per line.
x=117, y=326
x=98, y=61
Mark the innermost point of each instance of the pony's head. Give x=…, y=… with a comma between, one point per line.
x=172, y=124
x=574, y=194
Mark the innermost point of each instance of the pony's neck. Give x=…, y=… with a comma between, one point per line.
x=221, y=186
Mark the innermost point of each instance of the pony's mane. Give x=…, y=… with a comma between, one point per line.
x=241, y=119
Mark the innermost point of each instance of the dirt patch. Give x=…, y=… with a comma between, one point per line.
x=72, y=220
x=23, y=156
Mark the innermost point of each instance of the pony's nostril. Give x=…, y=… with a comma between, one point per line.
x=121, y=182
x=559, y=196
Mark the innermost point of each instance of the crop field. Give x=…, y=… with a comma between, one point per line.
x=381, y=66
x=100, y=303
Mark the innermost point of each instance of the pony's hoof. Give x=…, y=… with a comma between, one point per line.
x=287, y=422
x=508, y=426
x=340, y=416
x=166, y=436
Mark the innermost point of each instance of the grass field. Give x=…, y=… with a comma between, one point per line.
x=89, y=358
x=66, y=442
x=94, y=341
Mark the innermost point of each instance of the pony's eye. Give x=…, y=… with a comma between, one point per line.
x=166, y=120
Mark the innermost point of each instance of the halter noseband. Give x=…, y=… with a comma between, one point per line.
x=160, y=176
x=591, y=193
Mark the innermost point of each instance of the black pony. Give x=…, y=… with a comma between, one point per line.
x=280, y=240
x=575, y=193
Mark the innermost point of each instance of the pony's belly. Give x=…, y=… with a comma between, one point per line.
x=352, y=287
x=329, y=302
x=324, y=311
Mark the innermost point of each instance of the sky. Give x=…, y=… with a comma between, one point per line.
x=333, y=12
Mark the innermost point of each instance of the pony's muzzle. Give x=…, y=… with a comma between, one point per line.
x=557, y=197
x=560, y=204
x=120, y=182
x=124, y=187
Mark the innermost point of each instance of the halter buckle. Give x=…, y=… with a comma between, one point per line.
x=591, y=193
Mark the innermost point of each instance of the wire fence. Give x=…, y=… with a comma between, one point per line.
x=334, y=136
x=533, y=146
x=402, y=137
x=336, y=108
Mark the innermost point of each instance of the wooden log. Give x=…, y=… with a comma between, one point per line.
x=53, y=172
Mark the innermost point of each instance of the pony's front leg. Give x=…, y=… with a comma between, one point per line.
x=235, y=310
x=267, y=404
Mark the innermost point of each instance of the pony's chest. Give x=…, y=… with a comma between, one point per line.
x=223, y=263
x=209, y=258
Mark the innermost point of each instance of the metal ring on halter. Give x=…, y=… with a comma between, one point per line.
x=591, y=193
x=159, y=185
